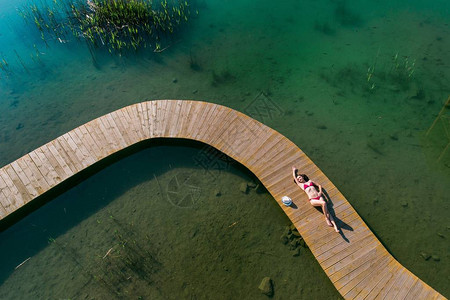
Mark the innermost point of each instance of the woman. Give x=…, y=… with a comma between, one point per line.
x=315, y=198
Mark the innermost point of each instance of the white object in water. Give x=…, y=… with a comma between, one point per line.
x=286, y=200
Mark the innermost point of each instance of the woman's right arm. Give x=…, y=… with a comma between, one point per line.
x=293, y=174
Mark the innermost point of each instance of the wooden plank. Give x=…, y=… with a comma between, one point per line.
x=52, y=172
x=365, y=237
x=31, y=176
x=71, y=164
x=85, y=136
x=80, y=149
x=3, y=211
x=261, y=152
x=415, y=290
x=269, y=152
x=178, y=131
x=160, y=113
x=208, y=122
x=77, y=147
x=152, y=107
x=216, y=134
x=338, y=268
x=398, y=285
x=193, y=116
x=211, y=133
x=309, y=226
x=40, y=178
x=374, y=293
x=15, y=197
x=75, y=156
x=261, y=134
x=17, y=183
x=170, y=118
x=166, y=116
x=144, y=107
x=132, y=124
x=409, y=283
x=30, y=188
x=43, y=168
x=60, y=160
x=336, y=240
x=114, y=144
x=197, y=121
x=363, y=288
x=120, y=123
x=427, y=293
x=137, y=119
x=110, y=124
x=179, y=115
x=8, y=199
x=174, y=119
x=242, y=136
x=85, y=142
x=398, y=276
x=93, y=128
x=348, y=284
x=353, y=251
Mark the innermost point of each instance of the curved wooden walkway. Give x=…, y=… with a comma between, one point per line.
x=356, y=262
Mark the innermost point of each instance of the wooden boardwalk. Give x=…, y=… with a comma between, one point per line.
x=356, y=262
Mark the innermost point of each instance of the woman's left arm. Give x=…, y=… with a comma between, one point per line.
x=320, y=189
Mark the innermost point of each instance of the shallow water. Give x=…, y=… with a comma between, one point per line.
x=314, y=61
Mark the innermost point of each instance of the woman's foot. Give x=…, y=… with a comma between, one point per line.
x=328, y=222
x=336, y=229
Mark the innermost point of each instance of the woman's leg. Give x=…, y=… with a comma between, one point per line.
x=322, y=204
x=328, y=217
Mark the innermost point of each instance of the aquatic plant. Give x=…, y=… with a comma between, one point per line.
x=4, y=67
x=117, y=25
x=403, y=69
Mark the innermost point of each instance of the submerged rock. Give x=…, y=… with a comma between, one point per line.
x=425, y=255
x=294, y=244
x=296, y=252
x=302, y=243
x=266, y=286
x=296, y=233
x=251, y=185
x=284, y=239
x=259, y=189
x=244, y=188
x=435, y=257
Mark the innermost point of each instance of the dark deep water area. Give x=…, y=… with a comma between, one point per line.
x=359, y=86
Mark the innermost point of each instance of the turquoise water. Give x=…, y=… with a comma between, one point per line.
x=357, y=85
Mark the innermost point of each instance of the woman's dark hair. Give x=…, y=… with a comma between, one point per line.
x=305, y=178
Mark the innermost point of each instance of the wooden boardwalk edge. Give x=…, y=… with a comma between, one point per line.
x=355, y=261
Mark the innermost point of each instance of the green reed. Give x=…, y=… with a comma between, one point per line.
x=117, y=25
